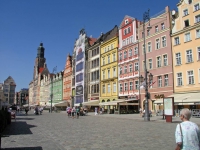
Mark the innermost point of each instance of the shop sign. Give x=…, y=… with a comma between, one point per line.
x=159, y=96
x=79, y=90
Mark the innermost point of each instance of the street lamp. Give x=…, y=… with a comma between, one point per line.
x=147, y=95
x=54, y=70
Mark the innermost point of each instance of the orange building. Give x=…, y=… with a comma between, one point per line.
x=67, y=80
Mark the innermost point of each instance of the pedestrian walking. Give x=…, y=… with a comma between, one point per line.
x=102, y=110
x=26, y=111
x=187, y=133
x=73, y=111
x=68, y=111
x=96, y=109
x=77, y=112
x=140, y=110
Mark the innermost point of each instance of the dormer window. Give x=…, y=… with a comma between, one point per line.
x=189, y=1
x=126, y=21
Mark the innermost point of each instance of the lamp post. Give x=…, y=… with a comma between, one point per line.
x=54, y=70
x=147, y=95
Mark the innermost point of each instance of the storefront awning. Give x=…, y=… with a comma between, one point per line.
x=129, y=100
x=60, y=104
x=77, y=104
x=112, y=102
x=183, y=98
x=26, y=105
x=91, y=103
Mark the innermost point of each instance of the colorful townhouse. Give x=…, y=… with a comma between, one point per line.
x=57, y=87
x=158, y=58
x=128, y=62
x=67, y=76
x=79, y=71
x=45, y=90
x=109, y=70
x=93, y=73
x=186, y=54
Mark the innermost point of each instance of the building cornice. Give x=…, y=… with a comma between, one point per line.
x=186, y=29
x=155, y=34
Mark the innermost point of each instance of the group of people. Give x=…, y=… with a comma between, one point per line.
x=99, y=110
x=75, y=112
x=38, y=111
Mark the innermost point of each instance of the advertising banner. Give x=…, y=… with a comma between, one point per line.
x=79, y=68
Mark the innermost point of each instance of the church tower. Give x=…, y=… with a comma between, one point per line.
x=39, y=61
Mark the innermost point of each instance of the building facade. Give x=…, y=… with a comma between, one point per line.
x=9, y=86
x=158, y=58
x=109, y=69
x=57, y=86
x=2, y=98
x=45, y=90
x=40, y=69
x=93, y=72
x=79, y=71
x=67, y=82
x=128, y=60
x=23, y=97
x=186, y=53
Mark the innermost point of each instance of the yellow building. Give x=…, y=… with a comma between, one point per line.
x=109, y=71
x=186, y=53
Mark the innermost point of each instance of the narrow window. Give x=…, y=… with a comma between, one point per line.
x=166, y=79
x=178, y=58
x=179, y=79
x=165, y=62
x=190, y=77
x=159, y=81
x=189, y=56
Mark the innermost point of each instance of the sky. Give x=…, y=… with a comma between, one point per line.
x=24, y=24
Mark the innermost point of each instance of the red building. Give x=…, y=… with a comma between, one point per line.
x=128, y=63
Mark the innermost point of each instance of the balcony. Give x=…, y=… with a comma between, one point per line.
x=129, y=75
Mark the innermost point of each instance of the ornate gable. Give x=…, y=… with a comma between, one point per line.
x=127, y=19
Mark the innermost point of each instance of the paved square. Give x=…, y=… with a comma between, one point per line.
x=58, y=132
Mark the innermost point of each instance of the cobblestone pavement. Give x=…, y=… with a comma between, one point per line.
x=58, y=132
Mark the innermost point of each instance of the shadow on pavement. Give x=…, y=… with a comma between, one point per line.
x=176, y=121
x=17, y=128
x=23, y=148
x=24, y=118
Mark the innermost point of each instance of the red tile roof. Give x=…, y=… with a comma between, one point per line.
x=92, y=40
x=40, y=70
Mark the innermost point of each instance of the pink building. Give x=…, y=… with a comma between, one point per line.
x=128, y=63
x=158, y=58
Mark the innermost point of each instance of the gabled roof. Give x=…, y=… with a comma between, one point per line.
x=126, y=17
x=45, y=71
x=10, y=80
x=180, y=2
x=110, y=34
x=91, y=40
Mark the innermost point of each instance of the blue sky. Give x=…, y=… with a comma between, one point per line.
x=56, y=23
